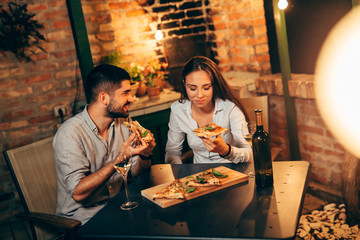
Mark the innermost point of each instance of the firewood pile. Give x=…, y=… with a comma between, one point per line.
x=329, y=223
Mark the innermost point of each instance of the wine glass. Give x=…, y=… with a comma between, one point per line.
x=252, y=128
x=123, y=168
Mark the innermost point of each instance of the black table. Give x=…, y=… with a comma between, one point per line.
x=239, y=212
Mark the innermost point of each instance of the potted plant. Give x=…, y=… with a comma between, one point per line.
x=154, y=77
x=19, y=31
x=135, y=70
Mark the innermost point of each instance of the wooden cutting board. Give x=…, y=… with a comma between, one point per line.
x=234, y=177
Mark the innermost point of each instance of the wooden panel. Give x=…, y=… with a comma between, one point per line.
x=157, y=123
x=259, y=102
x=234, y=177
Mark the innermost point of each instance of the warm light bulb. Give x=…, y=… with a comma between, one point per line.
x=158, y=35
x=282, y=4
x=337, y=81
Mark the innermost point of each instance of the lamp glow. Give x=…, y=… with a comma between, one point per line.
x=282, y=4
x=158, y=35
x=337, y=81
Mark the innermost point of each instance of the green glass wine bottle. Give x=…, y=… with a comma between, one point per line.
x=262, y=154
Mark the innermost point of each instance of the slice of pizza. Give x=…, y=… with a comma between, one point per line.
x=210, y=130
x=140, y=131
x=204, y=179
x=175, y=190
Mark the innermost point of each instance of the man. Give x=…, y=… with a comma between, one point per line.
x=89, y=144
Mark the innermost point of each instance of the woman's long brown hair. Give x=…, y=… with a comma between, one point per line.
x=221, y=88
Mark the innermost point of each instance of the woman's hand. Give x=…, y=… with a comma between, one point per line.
x=216, y=145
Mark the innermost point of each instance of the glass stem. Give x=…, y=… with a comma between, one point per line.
x=126, y=188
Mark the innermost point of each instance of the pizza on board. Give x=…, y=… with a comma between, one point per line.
x=204, y=179
x=140, y=131
x=209, y=130
x=175, y=190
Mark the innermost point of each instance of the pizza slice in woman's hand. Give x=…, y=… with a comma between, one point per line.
x=209, y=130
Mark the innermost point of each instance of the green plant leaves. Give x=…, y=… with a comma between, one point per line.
x=19, y=32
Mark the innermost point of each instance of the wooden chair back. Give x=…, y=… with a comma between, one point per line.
x=258, y=102
x=33, y=170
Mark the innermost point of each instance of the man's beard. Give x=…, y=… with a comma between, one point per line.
x=116, y=112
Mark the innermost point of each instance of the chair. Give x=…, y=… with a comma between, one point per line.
x=259, y=102
x=33, y=170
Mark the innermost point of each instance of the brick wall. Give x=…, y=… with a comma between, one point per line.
x=317, y=145
x=29, y=92
x=235, y=30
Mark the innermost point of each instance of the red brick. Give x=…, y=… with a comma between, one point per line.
x=105, y=18
x=41, y=119
x=4, y=73
x=261, y=39
x=102, y=7
x=37, y=7
x=247, y=41
x=56, y=14
x=106, y=36
x=334, y=153
x=9, y=116
x=259, y=21
x=259, y=30
x=312, y=148
x=39, y=57
x=43, y=98
x=339, y=147
x=66, y=93
x=238, y=59
x=116, y=6
x=23, y=132
x=6, y=83
x=220, y=26
x=135, y=13
x=16, y=93
x=61, y=24
x=36, y=79
x=57, y=3
x=65, y=74
x=312, y=130
x=262, y=58
x=64, y=54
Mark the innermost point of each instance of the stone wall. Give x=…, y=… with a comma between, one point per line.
x=235, y=30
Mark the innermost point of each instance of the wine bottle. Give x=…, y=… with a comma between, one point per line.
x=262, y=154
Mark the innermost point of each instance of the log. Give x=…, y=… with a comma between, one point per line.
x=351, y=188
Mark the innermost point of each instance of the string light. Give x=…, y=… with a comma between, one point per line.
x=159, y=35
x=282, y=4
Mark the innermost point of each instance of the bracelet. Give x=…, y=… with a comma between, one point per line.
x=143, y=157
x=230, y=148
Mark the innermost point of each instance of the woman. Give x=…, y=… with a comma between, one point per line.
x=206, y=98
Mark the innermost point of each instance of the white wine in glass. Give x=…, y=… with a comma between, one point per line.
x=123, y=168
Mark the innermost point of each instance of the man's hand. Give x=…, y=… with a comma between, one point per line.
x=127, y=150
x=150, y=146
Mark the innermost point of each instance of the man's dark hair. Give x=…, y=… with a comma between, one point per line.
x=104, y=78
